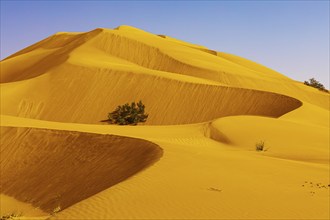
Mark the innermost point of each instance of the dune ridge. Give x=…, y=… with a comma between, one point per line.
x=58, y=162
x=207, y=110
x=167, y=101
x=55, y=50
x=154, y=53
x=184, y=183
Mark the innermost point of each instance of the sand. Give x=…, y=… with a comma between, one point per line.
x=195, y=157
x=75, y=165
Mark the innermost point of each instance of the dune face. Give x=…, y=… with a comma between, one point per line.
x=275, y=134
x=42, y=56
x=167, y=101
x=207, y=111
x=58, y=79
x=51, y=168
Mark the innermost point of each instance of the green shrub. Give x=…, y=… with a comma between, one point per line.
x=316, y=84
x=260, y=146
x=128, y=114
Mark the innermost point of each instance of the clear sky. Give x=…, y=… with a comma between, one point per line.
x=291, y=37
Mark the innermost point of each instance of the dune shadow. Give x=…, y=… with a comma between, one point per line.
x=51, y=168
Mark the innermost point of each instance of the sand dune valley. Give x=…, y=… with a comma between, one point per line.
x=194, y=158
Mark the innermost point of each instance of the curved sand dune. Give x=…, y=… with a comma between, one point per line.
x=130, y=49
x=147, y=72
x=41, y=57
x=275, y=135
x=50, y=168
x=144, y=49
x=167, y=101
x=203, y=179
x=209, y=170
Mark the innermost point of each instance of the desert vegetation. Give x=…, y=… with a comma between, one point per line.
x=316, y=84
x=128, y=114
x=260, y=146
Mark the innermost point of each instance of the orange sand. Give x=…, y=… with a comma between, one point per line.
x=207, y=111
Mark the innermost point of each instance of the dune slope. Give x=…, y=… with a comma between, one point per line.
x=167, y=101
x=200, y=178
x=56, y=152
x=51, y=168
x=107, y=63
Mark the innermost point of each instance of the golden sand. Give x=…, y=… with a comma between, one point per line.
x=207, y=110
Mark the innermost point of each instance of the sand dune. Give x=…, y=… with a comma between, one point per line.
x=167, y=101
x=275, y=135
x=130, y=50
x=49, y=168
x=46, y=54
x=147, y=50
x=112, y=71
x=201, y=178
x=55, y=151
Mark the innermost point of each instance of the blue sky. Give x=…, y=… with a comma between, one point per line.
x=291, y=37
